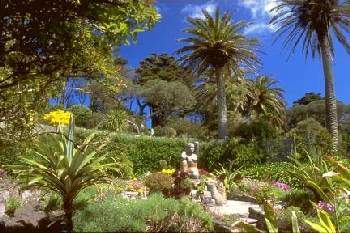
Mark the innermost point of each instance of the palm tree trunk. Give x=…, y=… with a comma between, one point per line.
x=331, y=102
x=222, y=106
x=68, y=212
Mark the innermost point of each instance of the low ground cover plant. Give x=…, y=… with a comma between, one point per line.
x=156, y=214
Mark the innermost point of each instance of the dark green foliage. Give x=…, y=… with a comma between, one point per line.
x=232, y=154
x=182, y=186
x=52, y=202
x=155, y=214
x=256, y=130
x=299, y=198
x=284, y=219
x=166, y=99
x=82, y=115
x=210, y=155
x=168, y=132
x=271, y=171
x=187, y=128
x=316, y=110
x=308, y=98
x=165, y=86
x=345, y=143
x=163, y=67
x=10, y=153
x=308, y=137
x=144, y=152
x=159, y=183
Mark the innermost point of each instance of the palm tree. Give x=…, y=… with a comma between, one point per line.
x=216, y=45
x=311, y=23
x=266, y=100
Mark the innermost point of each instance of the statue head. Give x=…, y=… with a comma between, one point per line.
x=190, y=148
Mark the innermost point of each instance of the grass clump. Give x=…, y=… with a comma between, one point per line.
x=11, y=204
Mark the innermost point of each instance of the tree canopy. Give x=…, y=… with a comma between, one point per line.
x=43, y=42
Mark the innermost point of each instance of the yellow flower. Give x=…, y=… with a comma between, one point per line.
x=168, y=171
x=139, y=190
x=58, y=117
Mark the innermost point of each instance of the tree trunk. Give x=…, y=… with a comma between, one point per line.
x=222, y=106
x=68, y=212
x=331, y=102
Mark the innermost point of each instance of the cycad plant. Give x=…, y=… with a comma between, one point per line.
x=64, y=169
x=313, y=24
x=216, y=46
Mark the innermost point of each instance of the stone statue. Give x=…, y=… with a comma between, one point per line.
x=189, y=161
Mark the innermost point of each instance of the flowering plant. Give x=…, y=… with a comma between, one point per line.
x=58, y=117
x=168, y=171
x=282, y=186
x=325, y=206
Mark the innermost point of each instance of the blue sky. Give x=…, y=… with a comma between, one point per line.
x=296, y=75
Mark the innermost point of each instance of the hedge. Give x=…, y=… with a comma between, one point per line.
x=145, y=152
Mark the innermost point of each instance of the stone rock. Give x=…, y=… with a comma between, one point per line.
x=259, y=215
x=235, y=208
x=218, y=191
x=221, y=227
x=2, y=209
x=27, y=219
x=243, y=197
x=130, y=195
x=30, y=196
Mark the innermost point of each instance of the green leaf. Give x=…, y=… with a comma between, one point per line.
x=317, y=227
x=295, y=224
x=271, y=228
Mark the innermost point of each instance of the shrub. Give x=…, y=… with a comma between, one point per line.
x=159, y=182
x=82, y=115
x=11, y=204
x=182, y=186
x=186, y=128
x=271, y=172
x=211, y=155
x=310, y=136
x=53, y=202
x=164, y=132
x=257, y=130
x=155, y=214
x=115, y=120
x=232, y=154
x=144, y=152
x=284, y=218
x=299, y=198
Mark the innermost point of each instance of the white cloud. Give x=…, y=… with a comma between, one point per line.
x=261, y=14
x=195, y=11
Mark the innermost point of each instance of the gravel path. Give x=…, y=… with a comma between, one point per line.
x=234, y=207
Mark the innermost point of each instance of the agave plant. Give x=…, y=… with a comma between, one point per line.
x=333, y=190
x=58, y=166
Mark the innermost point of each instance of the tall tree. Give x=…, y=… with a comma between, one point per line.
x=165, y=86
x=215, y=43
x=265, y=100
x=308, y=98
x=43, y=42
x=163, y=67
x=311, y=23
